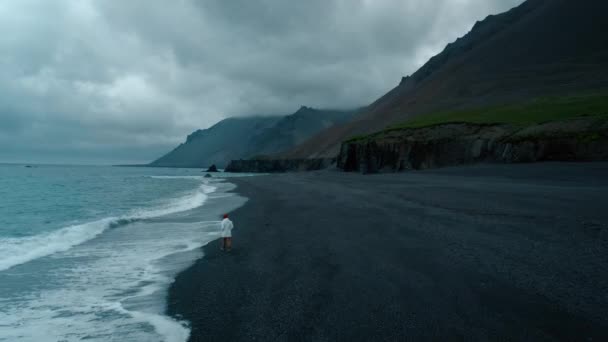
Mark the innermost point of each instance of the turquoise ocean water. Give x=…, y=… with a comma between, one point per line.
x=87, y=253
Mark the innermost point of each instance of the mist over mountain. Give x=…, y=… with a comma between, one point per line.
x=295, y=129
x=237, y=138
x=225, y=140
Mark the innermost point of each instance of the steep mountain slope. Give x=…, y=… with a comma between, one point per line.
x=540, y=48
x=237, y=138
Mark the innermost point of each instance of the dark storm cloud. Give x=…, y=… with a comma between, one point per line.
x=96, y=80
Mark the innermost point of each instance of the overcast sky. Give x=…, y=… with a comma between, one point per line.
x=124, y=81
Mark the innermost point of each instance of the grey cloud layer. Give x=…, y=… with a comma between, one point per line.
x=97, y=80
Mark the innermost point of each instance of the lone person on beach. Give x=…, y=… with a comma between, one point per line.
x=226, y=230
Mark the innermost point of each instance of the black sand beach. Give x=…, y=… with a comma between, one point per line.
x=491, y=252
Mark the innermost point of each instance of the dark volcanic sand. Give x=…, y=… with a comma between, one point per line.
x=494, y=252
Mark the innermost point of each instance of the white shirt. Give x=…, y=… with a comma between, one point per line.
x=226, y=228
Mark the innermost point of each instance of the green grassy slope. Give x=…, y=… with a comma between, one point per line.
x=523, y=114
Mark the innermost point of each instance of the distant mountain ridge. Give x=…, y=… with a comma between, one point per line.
x=242, y=138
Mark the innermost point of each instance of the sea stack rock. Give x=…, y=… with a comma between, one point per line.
x=213, y=168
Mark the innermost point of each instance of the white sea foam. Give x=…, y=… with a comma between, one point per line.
x=193, y=200
x=171, y=330
x=110, y=298
x=17, y=251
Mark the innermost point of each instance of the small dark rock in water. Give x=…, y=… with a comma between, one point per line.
x=213, y=168
x=208, y=176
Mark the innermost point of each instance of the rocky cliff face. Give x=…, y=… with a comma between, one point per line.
x=278, y=165
x=455, y=144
